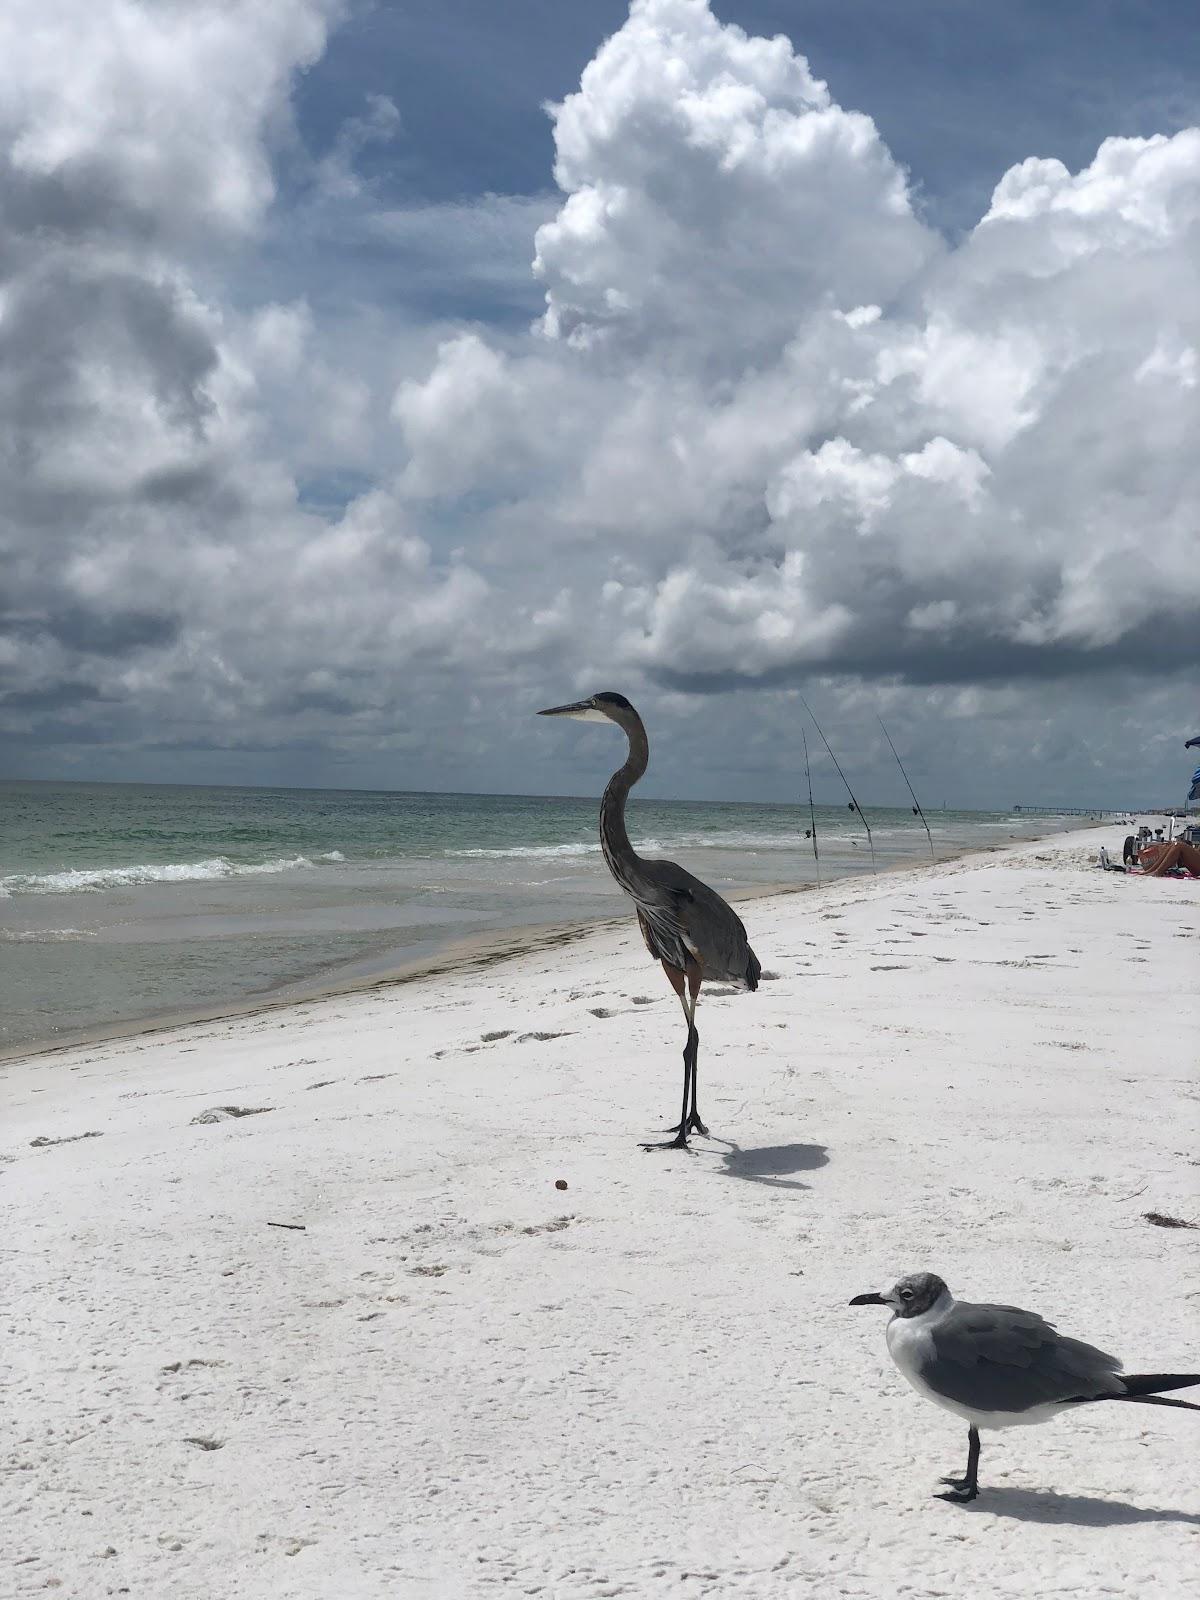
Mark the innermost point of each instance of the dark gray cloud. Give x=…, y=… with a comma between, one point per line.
x=113, y=633
x=49, y=696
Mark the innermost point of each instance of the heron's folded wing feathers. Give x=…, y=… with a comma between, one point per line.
x=688, y=920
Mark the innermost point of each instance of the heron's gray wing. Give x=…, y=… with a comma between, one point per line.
x=999, y=1358
x=702, y=922
x=662, y=904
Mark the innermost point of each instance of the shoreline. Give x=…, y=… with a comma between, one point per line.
x=475, y=951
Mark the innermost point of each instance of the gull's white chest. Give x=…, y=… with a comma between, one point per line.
x=910, y=1345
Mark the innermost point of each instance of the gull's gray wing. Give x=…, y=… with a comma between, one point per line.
x=999, y=1358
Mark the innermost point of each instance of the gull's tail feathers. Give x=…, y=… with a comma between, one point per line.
x=1140, y=1384
x=1153, y=1400
x=1146, y=1388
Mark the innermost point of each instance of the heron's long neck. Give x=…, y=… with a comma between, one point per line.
x=614, y=840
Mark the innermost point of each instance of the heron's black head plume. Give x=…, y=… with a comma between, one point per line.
x=604, y=707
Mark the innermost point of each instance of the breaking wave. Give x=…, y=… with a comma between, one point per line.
x=79, y=880
x=683, y=841
x=533, y=851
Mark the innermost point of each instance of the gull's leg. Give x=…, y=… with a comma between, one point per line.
x=964, y=1489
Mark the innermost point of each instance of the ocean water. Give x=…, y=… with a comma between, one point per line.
x=122, y=902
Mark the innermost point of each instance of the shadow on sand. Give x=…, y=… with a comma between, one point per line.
x=775, y=1164
x=1084, y=1510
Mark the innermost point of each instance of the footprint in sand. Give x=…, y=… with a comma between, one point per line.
x=287, y=1544
x=228, y=1113
x=44, y=1141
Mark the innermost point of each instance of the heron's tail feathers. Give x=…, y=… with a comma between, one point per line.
x=753, y=972
x=1140, y=1386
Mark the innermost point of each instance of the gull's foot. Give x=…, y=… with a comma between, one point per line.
x=960, y=1491
x=692, y=1125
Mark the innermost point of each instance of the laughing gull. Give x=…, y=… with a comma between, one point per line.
x=1000, y=1367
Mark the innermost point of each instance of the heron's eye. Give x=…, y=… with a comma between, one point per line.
x=906, y=1294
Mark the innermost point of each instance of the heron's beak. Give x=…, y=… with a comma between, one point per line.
x=868, y=1300
x=581, y=710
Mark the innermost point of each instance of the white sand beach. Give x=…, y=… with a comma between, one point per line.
x=448, y=1377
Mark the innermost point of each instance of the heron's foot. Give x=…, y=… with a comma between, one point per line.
x=679, y=1142
x=692, y=1125
x=961, y=1491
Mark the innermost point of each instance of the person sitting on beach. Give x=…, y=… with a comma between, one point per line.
x=1158, y=858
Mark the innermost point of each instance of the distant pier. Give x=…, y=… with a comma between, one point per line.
x=1082, y=811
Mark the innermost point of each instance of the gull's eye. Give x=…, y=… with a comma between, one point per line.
x=906, y=1294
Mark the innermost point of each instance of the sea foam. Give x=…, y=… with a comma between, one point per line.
x=80, y=880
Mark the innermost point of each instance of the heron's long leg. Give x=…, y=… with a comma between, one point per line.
x=964, y=1489
x=679, y=1142
x=694, y=1124
x=690, y=1121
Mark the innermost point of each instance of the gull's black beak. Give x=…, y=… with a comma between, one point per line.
x=572, y=710
x=868, y=1300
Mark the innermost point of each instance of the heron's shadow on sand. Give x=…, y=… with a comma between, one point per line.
x=774, y=1164
x=1084, y=1510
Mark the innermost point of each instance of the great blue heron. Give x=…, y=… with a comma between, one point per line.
x=686, y=925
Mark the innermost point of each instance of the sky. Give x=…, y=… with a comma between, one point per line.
x=372, y=375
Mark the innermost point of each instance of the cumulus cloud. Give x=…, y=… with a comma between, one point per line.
x=768, y=426
x=162, y=580
x=711, y=181
x=124, y=114
x=818, y=437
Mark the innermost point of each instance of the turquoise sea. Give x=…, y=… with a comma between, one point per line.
x=121, y=902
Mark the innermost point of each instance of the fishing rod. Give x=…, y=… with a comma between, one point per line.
x=854, y=805
x=811, y=808
x=917, y=812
